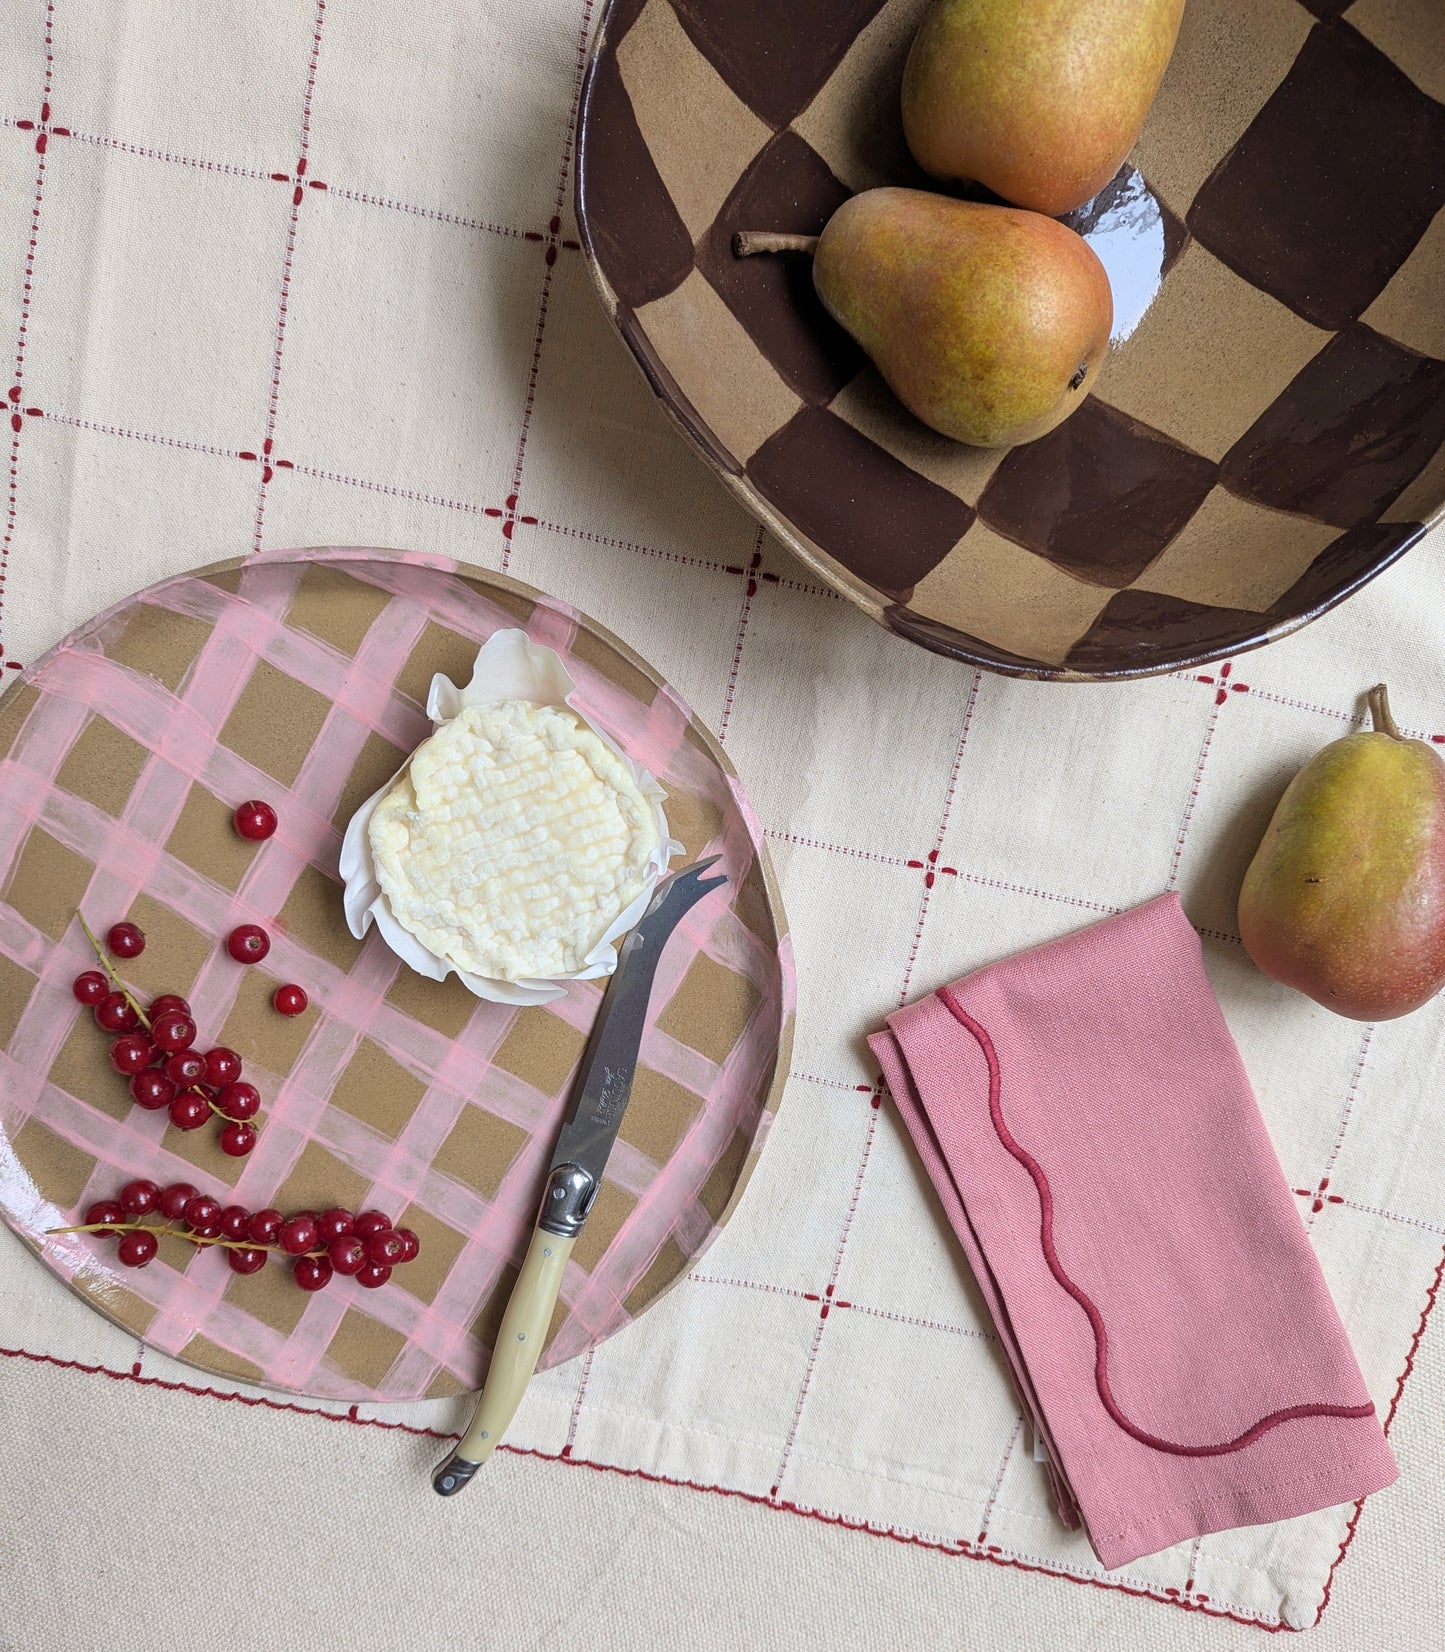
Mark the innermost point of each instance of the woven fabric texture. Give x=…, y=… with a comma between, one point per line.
x=307, y=272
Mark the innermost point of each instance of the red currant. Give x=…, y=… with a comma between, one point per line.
x=151, y=1089
x=223, y=1066
x=89, y=987
x=369, y=1222
x=290, y=1000
x=206, y=1230
x=387, y=1248
x=311, y=1272
x=175, y=1198
x=236, y=1222
x=255, y=821
x=238, y=1139
x=167, y=1002
x=333, y=1224
x=202, y=1208
x=105, y=1210
x=347, y=1254
x=189, y=1111
x=245, y=1259
x=173, y=1031
x=137, y=1247
x=297, y=1235
x=115, y=1014
x=238, y=1101
x=139, y=1197
x=185, y=1068
x=263, y=1226
x=411, y=1244
x=374, y=1274
x=248, y=943
x=125, y=941
x=131, y=1053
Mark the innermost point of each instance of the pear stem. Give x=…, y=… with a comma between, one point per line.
x=1379, y=703
x=748, y=241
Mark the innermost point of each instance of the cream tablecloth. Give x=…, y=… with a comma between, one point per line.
x=306, y=271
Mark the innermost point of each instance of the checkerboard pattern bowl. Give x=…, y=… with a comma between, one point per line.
x=1267, y=432
x=300, y=677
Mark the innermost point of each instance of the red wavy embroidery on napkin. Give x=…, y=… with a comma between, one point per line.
x=1096, y=1320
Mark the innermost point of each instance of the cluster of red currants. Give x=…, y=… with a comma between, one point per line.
x=365, y=1247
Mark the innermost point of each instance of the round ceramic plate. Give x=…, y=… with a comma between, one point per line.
x=1266, y=433
x=300, y=678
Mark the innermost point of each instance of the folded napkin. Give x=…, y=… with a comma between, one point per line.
x=1084, y=1115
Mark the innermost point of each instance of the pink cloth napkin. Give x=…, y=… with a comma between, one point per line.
x=1084, y=1115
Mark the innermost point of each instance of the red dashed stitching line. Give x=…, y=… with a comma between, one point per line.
x=838, y=849
x=17, y=418
x=136, y=435
x=1193, y=798
x=1008, y=1452
x=466, y=507
x=576, y=1416
x=193, y=162
x=553, y=229
x=279, y=346
x=834, y=1083
x=920, y=1324
x=1370, y=1210
x=750, y=590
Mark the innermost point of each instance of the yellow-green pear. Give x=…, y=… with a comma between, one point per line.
x=1037, y=100
x=988, y=323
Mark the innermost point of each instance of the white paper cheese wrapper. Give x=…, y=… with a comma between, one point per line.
x=509, y=666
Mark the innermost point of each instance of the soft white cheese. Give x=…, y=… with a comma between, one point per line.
x=512, y=840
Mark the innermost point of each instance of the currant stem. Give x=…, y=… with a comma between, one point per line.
x=1379, y=703
x=748, y=241
x=120, y=985
x=180, y=1233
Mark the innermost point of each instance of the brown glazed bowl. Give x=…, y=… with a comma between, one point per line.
x=1267, y=432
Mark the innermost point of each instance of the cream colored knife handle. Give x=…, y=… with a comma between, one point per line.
x=514, y=1359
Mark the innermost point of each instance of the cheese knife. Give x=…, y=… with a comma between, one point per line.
x=594, y=1112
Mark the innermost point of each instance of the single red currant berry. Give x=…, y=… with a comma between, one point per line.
x=255, y=821
x=175, y=1198
x=311, y=1272
x=385, y=1247
x=411, y=1244
x=290, y=1000
x=167, y=1002
x=238, y=1101
x=223, y=1066
x=105, y=1210
x=373, y=1275
x=369, y=1222
x=189, y=1111
x=114, y=1013
x=125, y=941
x=248, y=943
x=130, y=1053
x=244, y=1259
x=151, y=1089
x=136, y=1248
x=206, y=1230
x=89, y=987
x=173, y=1031
x=185, y=1068
x=297, y=1235
x=333, y=1224
x=263, y=1226
x=347, y=1254
x=202, y=1208
x=238, y=1139
x=235, y=1222
x=139, y=1197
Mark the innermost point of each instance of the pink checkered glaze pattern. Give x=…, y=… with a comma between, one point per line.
x=247, y=628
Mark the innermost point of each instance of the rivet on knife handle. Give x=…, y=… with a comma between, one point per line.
x=524, y=1326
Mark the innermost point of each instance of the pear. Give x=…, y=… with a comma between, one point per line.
x=987, y=323
x=1038, y=100
x=1345, y=897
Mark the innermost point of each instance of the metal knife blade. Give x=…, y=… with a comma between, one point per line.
x=594, y=1112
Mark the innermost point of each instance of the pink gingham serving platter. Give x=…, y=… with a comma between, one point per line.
x=300, y=677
